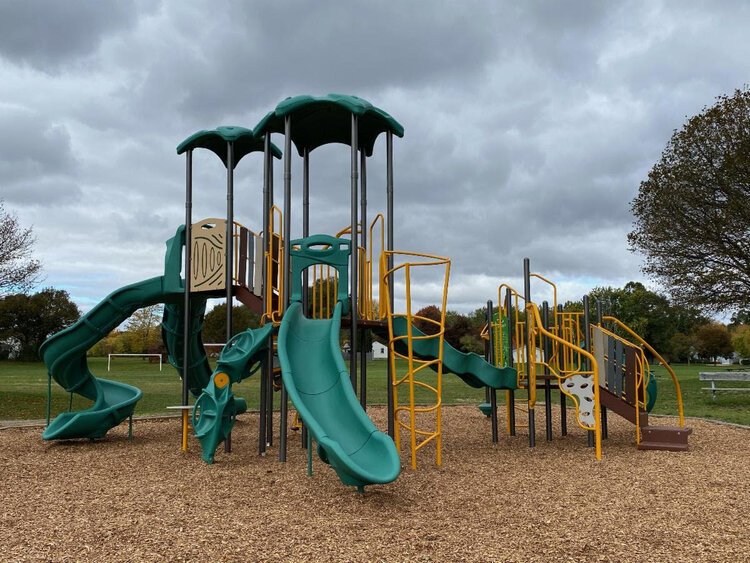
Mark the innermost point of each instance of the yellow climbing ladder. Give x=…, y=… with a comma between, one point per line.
x=417, y=377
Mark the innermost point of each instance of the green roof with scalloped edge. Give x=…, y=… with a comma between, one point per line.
x=317, y=121
x=245, y=141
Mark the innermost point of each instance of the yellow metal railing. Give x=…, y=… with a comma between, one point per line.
x=367, y=306
x=275, y=279
x=662, y=361
x=402, y=347
x=582, y=379
x=325, y=287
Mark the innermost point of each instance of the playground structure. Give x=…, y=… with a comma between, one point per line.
x=601, y=366
x=306, y=290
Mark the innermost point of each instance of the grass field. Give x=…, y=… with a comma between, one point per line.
x=23, y=387
x=23, y=390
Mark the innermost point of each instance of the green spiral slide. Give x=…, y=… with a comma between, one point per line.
x=65, y=352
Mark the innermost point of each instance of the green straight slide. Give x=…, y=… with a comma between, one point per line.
x=318, y=384
x=471, y=368
x=65, y=357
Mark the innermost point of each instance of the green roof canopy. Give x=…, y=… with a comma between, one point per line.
x=245, y=141
x=321, y=120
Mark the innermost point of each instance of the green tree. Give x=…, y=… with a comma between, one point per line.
x=144, y=328
x=19, y=272
x=31, y=319
x=741, y=340
x=682, y=347
x=692, y=213
x=215, y=322
x=712, y=341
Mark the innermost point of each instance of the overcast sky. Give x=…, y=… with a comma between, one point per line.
x=529, y=125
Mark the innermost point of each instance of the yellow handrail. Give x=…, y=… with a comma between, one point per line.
x=274, y=282
x=661, y=360
x=536, y=328
x=554, y=293
x=371, y=313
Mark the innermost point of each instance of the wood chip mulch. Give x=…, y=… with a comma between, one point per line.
x=116, y=500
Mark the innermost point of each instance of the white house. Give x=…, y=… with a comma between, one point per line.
x=379, y=351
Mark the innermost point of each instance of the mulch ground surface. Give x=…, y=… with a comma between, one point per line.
x=145, y=500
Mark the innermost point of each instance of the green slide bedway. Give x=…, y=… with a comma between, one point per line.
x=64, y=353
x=471, y=368
x=317, y=380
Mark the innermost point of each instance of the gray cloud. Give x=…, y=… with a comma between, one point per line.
x=45, y=34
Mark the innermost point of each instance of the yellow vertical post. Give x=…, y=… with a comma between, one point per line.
x=184, y=430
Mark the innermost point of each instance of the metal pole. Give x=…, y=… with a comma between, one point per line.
x=511, y=406
x=305, y=220
x=266, y=366
x=305, y=277
x=188, y=266
x=530, y=355
x=389, y=246
x=49, y=398
x=355, y=257
x=602, y=408
x=363, y=219
x=547, y=383
x=287, y=268
x=229, y=260
x=587, y=347
x=186, y=297
x=563, y=405
x=491, y=360
x=269, y=356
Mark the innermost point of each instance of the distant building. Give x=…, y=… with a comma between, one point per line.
x=379, y=351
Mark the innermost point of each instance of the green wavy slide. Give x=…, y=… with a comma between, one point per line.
x=471, y=368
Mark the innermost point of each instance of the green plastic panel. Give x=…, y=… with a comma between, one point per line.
x=321, y=249
x=245, y=141
x=320, y=120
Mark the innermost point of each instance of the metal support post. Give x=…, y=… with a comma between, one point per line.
x=491, y=360
x=530, y=354
x=389, y=246
x=547, y=375
x=355, y=255
x=587, y=347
